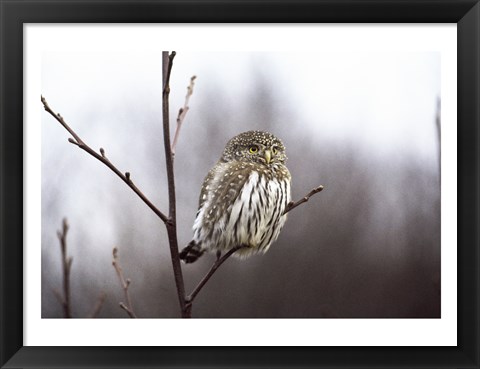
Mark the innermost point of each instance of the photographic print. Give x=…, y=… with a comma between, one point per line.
x=354, y=212
x=355, y=133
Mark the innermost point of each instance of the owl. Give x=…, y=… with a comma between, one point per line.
x=243, y=198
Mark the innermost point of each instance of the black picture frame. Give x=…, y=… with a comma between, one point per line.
x=15, y=13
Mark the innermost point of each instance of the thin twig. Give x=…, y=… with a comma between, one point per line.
x=127, y=310
x=76, y=140
x=292, y=205
x=66, y=267
x=125, y=284
x=220, y=260
x=171, y=224
x=98, y=306
x=182, y=113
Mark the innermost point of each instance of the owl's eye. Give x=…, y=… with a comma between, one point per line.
x=274, y=150
x=253, y=149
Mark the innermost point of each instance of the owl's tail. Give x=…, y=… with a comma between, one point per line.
x=191, y=252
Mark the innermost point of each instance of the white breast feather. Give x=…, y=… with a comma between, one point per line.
x=226, y=224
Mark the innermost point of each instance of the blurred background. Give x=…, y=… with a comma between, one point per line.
x=364, y=125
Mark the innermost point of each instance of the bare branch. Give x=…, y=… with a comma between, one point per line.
x=98, y=306
x=292, y=205
x=58, y=117
x=220, y=260
x=65, y=300
x=182, y=113
x=66, y=267
x=125, y=284
x=167, y=62
x=128, y=311
x=76, y=140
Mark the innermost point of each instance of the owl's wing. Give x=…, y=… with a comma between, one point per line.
x=206, y=186
x=221, y=187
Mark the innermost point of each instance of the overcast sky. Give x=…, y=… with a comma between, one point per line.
x=386, y=101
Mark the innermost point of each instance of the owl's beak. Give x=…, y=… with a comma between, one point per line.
x=268, y=156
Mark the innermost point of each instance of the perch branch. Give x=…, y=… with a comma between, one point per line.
x=220, y=260
x=125, y=284
x=98, y=306
x=66, y=267
x=182, y=113
x=171, y=224
x=76, y=140
x=293, y=204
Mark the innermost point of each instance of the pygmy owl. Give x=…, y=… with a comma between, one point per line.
x=243, y=198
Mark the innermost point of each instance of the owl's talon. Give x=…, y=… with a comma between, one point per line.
x=190, y=253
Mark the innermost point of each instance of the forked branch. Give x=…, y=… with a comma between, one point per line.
x=65, y=299
x=170, y=220
x=125, y=284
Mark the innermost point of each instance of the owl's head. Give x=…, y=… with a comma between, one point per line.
x=255, y=146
